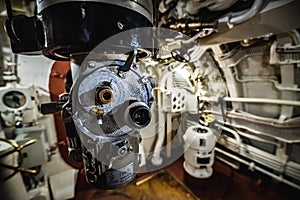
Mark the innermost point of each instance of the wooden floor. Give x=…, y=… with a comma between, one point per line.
x=230, y=184
x=173, y=183
x=159, y=185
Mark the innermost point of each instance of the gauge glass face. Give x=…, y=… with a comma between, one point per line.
x=14, y=99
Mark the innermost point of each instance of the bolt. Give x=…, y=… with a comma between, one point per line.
x=122, y=74
x=92, y=64
x=122, y=151
x=120, y=25
x=134, y=66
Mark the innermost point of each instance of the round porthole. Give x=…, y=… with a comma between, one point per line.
x=14, y=99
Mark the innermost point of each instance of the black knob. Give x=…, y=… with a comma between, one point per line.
x=50, y=108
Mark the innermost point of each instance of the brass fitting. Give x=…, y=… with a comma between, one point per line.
x=105, y=95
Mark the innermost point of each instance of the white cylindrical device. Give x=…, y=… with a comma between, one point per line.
x=199, y=152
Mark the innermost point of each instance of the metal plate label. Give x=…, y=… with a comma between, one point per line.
x=120, y=176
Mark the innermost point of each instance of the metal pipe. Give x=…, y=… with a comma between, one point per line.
x=238, y=114
x=247, y=15
x=256, y=138
x=275, y=83
x=254, y=100
x=156, y=158
x=262, y=101
x=254, y=167
x=233, y=132
x=146, y=178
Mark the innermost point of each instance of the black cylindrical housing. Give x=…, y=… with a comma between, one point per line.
x=78, y=27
